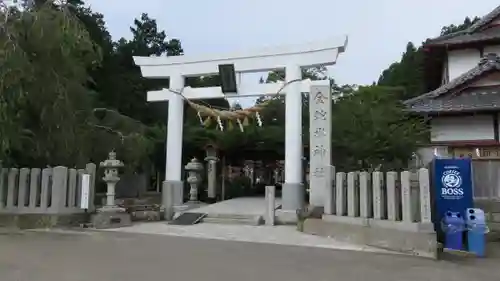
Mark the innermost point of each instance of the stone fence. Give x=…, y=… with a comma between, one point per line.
x=50, y=191
x=397, y=200
x=389, y=210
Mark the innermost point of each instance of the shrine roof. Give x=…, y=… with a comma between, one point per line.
x=485, y=20
x=457, y=96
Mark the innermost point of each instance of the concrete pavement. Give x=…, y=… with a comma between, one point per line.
x=102, y=256
x=279, y=234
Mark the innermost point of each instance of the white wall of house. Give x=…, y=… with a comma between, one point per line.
x=447, y=129
x=461, y=61
x=465, y=128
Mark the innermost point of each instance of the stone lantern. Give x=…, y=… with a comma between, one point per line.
x=111, y=166
x=111, y=215
x=211, y=171
x=194, y=179
x=249, y=170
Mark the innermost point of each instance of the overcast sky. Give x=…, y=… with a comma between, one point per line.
x=378, y=30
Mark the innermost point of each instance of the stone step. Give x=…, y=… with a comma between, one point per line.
x=234, y=219
x=231, y=216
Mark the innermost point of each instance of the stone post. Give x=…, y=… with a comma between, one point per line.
x=35, y=187
x=194, y=169
x=365, y=195
x=406, y=200
x=24, y=185
x=58, y=189
x=425, y=196
x=45, y=201
x=340, y=194
x=11, y=187
x=378, y=196
x=330, y=194
x=393, y=197
x=353, y=194
x=168, y=201
x=72, y=188
x=90, y=169
x=270, y=204
x=212, y=176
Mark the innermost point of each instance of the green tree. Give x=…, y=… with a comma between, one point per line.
x=48, y=99
x=372, y=131
x=44, y=71
x=119, y=81
x=407, y=73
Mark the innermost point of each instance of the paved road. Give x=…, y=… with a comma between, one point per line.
x=103, y=256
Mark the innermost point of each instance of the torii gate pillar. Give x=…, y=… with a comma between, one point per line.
x=290, y=58
x=293, y=189
x=173, y=157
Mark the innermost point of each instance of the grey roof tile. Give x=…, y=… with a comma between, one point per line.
x=464, y=37
x=468, y=100
x=474, y=33
x=484, y=21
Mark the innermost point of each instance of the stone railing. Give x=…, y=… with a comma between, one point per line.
x=44, y=191
x=390, y=210
x=394, y=200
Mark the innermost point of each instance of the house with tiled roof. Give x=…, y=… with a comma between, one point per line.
x=462, y=75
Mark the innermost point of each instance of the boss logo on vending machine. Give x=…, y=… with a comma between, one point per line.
x=452, y=185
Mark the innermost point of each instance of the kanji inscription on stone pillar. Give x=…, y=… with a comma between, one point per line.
x=320, y=183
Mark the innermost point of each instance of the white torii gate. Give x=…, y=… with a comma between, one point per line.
x=290, y=58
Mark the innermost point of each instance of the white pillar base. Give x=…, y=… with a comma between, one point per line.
x=293, y=196
x=177, y=192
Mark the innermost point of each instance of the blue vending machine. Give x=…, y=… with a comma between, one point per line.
x=453, y=195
